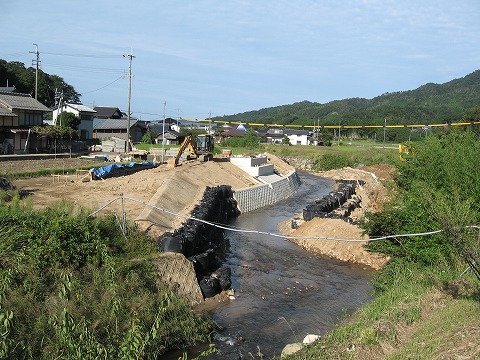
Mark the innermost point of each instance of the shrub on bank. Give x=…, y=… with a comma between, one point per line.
x=74, y=286
x=332, y=161
x=438, y=189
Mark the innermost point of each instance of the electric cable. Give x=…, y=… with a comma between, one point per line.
x=83, y=55
x=103, y=87
x=85, y=68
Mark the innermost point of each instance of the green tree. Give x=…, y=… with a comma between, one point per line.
x=286, y=140
x=68, y=119
x=149, y=137
x=472, y=115
x=23, y=79
x=438, y=188
x=248, y=141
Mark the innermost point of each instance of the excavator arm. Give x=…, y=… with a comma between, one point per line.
x=187, y=143
x=203, y=151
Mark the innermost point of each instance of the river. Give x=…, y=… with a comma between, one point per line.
x=283, y=293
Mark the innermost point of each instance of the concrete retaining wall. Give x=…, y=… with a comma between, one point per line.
x=256, y=197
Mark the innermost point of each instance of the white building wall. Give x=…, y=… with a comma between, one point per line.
x=86, y=125
x=298, y=140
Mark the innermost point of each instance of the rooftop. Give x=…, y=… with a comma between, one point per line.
x=21, y=101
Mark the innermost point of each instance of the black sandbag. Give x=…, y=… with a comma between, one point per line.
x=210, y=286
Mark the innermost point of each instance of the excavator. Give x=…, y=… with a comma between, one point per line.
x=202, y=149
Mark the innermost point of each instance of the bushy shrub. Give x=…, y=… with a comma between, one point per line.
x=332, y=161
x=247, y=141
x=438, y=189
x=78, y=287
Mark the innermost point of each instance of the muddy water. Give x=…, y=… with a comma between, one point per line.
x=282, y=293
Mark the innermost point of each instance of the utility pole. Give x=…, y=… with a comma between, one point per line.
x=36, y=62
x=59, y=103
x=384, y=131
x=163, y=131
x=338, y=141
x=210, y=122
x=130, y=58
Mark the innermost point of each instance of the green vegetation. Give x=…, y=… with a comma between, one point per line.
x=453, y=101
x=79, y=287
x=426, y=302
x=46, y=172
x=421, y=316
x=437, y=189
x=24, y=79
x=334, y=157
x=248, y=141
x=149, y=137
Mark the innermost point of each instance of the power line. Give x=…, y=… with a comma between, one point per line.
x=83, y=55
x=15, y=54
x=103, y=87
x=86, y=69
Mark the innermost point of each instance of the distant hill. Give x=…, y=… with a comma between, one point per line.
x=430, y=103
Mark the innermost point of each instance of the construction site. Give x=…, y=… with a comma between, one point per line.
x=159, y=199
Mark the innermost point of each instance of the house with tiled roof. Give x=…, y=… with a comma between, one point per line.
x=107, y=128
x=7, y=89
x=172, y=137
x=108, y=112
x=19, y=113
x=238, y=130
x=84, y=113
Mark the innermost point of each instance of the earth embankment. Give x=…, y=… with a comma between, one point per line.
x=177, y=189
x=373, y=194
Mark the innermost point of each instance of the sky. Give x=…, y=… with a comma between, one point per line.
x=205, y=58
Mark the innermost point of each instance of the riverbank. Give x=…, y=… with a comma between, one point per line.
x=373, y=194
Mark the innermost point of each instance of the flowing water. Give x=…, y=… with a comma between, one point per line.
x=283, y=293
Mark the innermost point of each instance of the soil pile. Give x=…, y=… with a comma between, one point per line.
x=175, y=189
x=373, y=194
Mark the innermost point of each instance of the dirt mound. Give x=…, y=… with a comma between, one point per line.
x=174, y=189
x=373, y=195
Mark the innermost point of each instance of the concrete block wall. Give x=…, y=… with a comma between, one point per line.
x=256, y=197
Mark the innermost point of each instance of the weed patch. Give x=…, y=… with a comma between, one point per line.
x=73, y=286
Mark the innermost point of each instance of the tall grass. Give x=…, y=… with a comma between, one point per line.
x=76, y=287
x=46, y=172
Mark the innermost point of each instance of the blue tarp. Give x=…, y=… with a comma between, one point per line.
x=109, y=170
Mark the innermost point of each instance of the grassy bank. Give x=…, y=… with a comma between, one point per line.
x=81, y=287
x=420, y=317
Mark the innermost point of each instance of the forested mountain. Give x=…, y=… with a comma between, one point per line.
x=15, y=74
x=430, y=103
